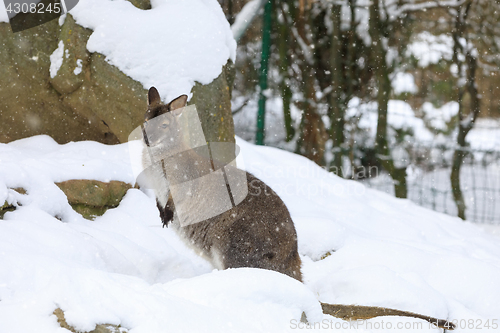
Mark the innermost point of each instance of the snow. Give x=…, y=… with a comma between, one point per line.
x=170, y=46
x=439, y=118
x=62, y=19
x=245, y=17
x=403, y=83
x=245, y=121
x=429, y=49
x=56, y=59
x=400, y=116
x=485, y=134
x=123, y=268
x=362, y=16
x=78, y=68
x=3, y=15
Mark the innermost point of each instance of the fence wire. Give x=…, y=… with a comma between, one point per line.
x=428, y=181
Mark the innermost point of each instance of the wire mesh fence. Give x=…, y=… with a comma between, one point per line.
x=429, y=185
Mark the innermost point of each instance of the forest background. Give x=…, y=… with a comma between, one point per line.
x=388, y=85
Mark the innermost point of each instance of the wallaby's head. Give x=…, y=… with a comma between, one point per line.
x=157, y=108
x=164, y=127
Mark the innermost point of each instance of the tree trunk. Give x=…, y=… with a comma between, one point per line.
x=286, y=92
x=464, y=126
x=465, y=122
x=337, y=107
x=312, y=139
x=313, y=136
x=384, y=91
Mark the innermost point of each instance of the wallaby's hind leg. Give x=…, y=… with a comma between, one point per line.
x=246, y=248
x=259, y=233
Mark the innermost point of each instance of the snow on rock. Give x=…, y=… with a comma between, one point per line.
x=170, y=46
x=124, y=269
x=78, y=68
x=56, y=59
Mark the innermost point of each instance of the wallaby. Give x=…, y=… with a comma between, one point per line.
x=258, y=232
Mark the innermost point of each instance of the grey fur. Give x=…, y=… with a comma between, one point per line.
x=258, y=232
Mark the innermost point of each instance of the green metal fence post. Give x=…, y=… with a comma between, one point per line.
x=264, y=62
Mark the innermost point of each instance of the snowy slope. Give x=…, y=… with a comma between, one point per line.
x=123, y=268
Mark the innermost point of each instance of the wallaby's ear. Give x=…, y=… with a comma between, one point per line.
x=178, y=103
x=153, y=98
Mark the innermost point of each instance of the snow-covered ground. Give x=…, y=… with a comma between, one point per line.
x=123, y=268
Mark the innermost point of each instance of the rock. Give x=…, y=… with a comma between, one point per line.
x=213, y=102
x=88, y=99
x=89, y=212
x=93, y=192
x=75, y=58
x=110, y=101
x=6, y=207
x=141, y=4
x=100, y=328
x=29, y=105
x=92, y=198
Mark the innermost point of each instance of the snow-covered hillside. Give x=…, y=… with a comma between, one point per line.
x=123, y=268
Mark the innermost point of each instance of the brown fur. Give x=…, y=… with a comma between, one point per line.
x=258, y=232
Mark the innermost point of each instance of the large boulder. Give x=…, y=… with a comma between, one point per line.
x=86, y=98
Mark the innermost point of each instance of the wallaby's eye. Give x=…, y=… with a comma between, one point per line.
x=164, y=126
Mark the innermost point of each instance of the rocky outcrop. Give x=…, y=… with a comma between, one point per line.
x=100, y=328
x=213, y=102
x=92, y=198
x=87, y=98
x=8, y=207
